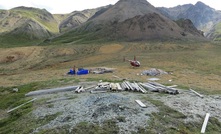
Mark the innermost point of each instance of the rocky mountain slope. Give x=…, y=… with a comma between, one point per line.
x=125, y=9
x=174, y=12
x=128, y=20
x=203, y=17
x=77, y=18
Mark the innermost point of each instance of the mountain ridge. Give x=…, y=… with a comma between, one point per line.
x=76, y=18
x=203, y=16
x=100, y=23
x=129, y=20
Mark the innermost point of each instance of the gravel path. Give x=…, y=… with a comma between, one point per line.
x=193, y=106
x=95, y=108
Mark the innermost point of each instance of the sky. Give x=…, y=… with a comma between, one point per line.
x=67, y=6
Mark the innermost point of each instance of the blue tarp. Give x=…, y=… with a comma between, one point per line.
x=72, y=72
x=82, y=71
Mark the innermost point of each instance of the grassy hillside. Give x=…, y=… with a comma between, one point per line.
x=60, y=17
x=80, y=35
x=43, y=17
x=217, y=33
x=24, y=26
x=9, y=41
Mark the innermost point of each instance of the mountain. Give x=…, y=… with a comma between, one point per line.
x=11, y=19
x=188, y=26
x=174, y=12
x=26, y=24
x=203, y=17
x=77, y=18
x=128, y=20
x=125, y=9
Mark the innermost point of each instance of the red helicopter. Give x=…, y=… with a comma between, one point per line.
x=134, y=62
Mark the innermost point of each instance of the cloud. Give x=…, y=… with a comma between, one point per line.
x=1, y=7
x=64, y=6
x=57, y=6
x=172, y=3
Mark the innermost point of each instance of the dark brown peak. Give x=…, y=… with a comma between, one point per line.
x=144, y=1
x=125, y=9
x=134, y=2
x=148, y=17
x=199, y=3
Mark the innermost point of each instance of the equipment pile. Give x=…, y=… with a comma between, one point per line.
x=153, y=72
x=132, y=86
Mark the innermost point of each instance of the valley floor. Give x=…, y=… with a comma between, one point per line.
x=191, y=65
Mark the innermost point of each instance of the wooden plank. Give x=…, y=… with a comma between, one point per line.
x=21, y=105
x=90, y=87
x=149, y=87
x=113, y=86
x=118, y=86
x=79, y=89
x=201, y=96
x=172, y=86
x=129, y=85
x=165, y=89
x=205, y=123
x=142, y=89
x=126, y=86
x=133, y=85
x=103, y=84
x=141, y=103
